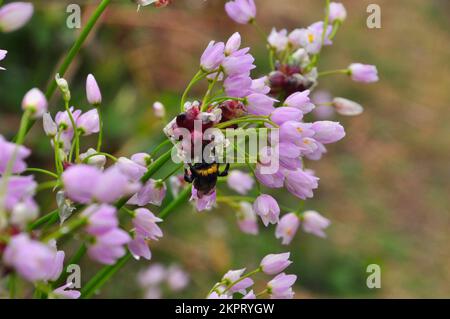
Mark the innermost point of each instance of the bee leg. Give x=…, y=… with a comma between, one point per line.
x=225, y=171
x=188, y=177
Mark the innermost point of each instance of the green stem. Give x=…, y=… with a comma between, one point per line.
x=331, y=72
x=43, y=171
x=47, y=185
x=259, y=30
x=159, y=147
x=197, y=77
x=75, y=132
x=208, y=92
x=43, y=220
x=100, y=134
x=257, y=270
x=12, y=285
x=176, y=169
x=111, y=157
x=70, y=227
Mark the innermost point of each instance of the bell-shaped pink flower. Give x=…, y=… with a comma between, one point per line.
x=131, y=169
x=15, y=15
x=301, y=101
x=213, y=56
x=315, y=223
x=247, y=219
x=109, y=247
x=278, y=40
x=88, y=123
x=35, y=101
x=101, y=219
x=287, y=228
x=238, y=85
x=286, y=113
x=238, y=63
x=234, y=275
x=364, y=73
x=62, y=119
x=203, y=202
x=301, y=183
x=233, y=44
x=281, y=286
x=93, y=93
x=275, y=263
x=80, y=182
x=7, y=151
x=241, y=11
x=20, y=189
x=139, y=248
x=240, y=182
x=260, y=104
x=145, y=224
x=260, y=85
x=267, y=208
x=337, y=12
x=347, y=107
x=274, y=180
x=328, y=131
x=153, y=192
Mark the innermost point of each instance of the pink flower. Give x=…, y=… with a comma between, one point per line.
x=66, y=292
x=301, y=183
x=328, y=132
x=32, y=259
x=153, y=192
x=275, y=263
x=142, y=159
x=247, y=220
x=7, y=151
x=35, y=102
x=260, y=85
x=250, y=295
x=93, y=93
x=2, y=56
x=284, y=114
x=20, y=189
x=337, y=12
x=238, y=85
x=241, y=11
x=104, y=193
x=234, y=275
x=275, y=180
x=289, y=155
x=145, y=224
x=109, y=247
x=213, y=56
x=347, y=107
x=315, y=223
x=159, y=110
x=240, y=182
x=294, y=132
x=287, y=228
x=301, y=101
x=88, y=123
x=238, y=63
x=215, y=295
x=233, y=44
x=363, y=72
x=203, y=202
x=131, y=169
x=80, y=182
x=278, y=40
x=101, y=219
x=15, y=15
x=63, y=119
x=267, y=208
x=138, y=247
x=260, y=104
x=177, y=279
x=281, y=286
x=152, y=276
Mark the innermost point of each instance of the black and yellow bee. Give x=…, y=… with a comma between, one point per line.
x=204, y=176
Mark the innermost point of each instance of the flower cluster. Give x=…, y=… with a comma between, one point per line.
x=236, y=283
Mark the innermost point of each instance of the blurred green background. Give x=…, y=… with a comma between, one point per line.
x=385, y=187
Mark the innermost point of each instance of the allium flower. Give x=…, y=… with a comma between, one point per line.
x=240, y=182
x=301, y=101
x=98, y=161
x=7, y=151
x=138, y=247
x=177, y=279
x=294, y=132
x=15, y=15
x=63, y=119
x=159, y=110
x=80, y=181
x=66, y=292
x=234, y=275
x=301, y=183
x=337, y=12
x=104, y=193
x=88, y=123
x=93, y=93
x=145, y=224
x=109, y=247
x=213, y=56
x=241, y=11
x=142, y=159
x=101, y=219
x=275, y=180
x=32, y=259
x=278, y=40
x=35, y=101
x=328, y=132
x=267, y=208
x=24, y=212
x=363, y=72
x=20, y=190
x=238, y=85
x=131, y=169
x=287, y=228
x=238, y=63
x=260, y=104
x=285, y=113
x=203, y=202
x=233, y=44
x=50, y=127
x=153, y=192
x=347, y=107
x=260, y=85
x=2, y=56
x=289, y=155
x=247, y=220
x=275, y=263
x=281, y=286
x=315, y=223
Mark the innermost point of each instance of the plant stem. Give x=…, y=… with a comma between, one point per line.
x=43, y=171
x=251, y=273
x=75, y=132
x=100, y=134
x=159, y=147
x=43, y=220
x=72, y=226
x=111, y=157
x=331, y=72
x=197, y=77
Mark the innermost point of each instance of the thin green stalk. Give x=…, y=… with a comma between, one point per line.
x=159, y=147
x=332, y=72
x=42, y=171
x=100, y=134
x=208, y=92
x=70, y=227
x=111, y=157
x=176, y=169
x=76, y=133
x=43, y=220
x=257, y=270
x=197, y=77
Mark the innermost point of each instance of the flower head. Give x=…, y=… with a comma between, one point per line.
x=15, y=15
x=363, y=72
x=267, y=208
x=35, y=101
x=240, y=182
x=109, y=247
x=93, y=93
x=275, y=263
x=212, y=56
x=315, y=223
x=281, y=286
x=241, y=11
x=287, y=228
x=145, y=224
x=7, y=151
x=337, y=12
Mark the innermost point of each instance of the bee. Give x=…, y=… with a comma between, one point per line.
x=204, y=176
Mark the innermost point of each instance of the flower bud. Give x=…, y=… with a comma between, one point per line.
x=35, y=102
x=63, y=86
x=93, y=93
x=275, y=263
x=347, y=107
x=159, y=110
x=15, y=15
x=50, y=127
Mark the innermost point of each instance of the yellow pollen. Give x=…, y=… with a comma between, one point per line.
x=306, y=142
x=311, y=38
x=300, y=130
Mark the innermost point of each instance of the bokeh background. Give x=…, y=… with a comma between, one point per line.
x=385, y=186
